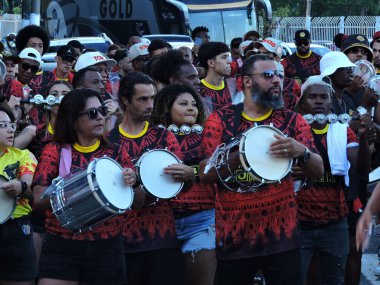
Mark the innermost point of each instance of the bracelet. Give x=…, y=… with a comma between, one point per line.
x=24, y=187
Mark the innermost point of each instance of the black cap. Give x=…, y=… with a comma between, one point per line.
x=302, y=35
x=76, y=44
x=357, y=40
x=120, y=54
x=66, y=51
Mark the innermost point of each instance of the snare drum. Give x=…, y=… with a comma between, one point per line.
x=149, y=170
x=86, y=198
x=255, y=160
x=7, y=204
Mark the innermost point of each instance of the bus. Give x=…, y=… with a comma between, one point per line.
x=120, y=19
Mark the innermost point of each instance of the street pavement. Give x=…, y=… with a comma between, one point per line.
x=369, y=263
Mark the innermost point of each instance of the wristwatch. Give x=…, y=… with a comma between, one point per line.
x=24, y=187
x=305, y=156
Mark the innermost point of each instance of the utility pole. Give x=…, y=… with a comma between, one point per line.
x=308, y=13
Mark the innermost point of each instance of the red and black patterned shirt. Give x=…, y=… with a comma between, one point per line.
x=291, y=93
x=309, y=65
x=200, y=196
x=44, y=135
x=48, y=169
x=215, y=97
x=152, y=227
x=264, y=222
x=41, y=81
x=322, y=202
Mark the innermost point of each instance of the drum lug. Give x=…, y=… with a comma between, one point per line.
x=279, y=181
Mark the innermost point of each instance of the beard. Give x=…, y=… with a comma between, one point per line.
x=266, y=98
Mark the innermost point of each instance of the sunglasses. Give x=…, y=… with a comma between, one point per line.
x=92, y=113
x=68, y=59
x=356, y=50
x=348, y=69
x=302, y=42
x=269, y=74
x=6, y=125
x=33, y=68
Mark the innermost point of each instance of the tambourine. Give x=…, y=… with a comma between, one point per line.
x=333, y=118
x=39, y=100
x=365, y=70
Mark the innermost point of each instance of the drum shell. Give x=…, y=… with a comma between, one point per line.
x=7, y=204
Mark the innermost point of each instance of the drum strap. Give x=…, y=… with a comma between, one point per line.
x=65, y=161
x=237, y=115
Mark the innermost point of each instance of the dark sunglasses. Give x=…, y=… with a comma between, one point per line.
x=356, y=50
x=92, y=113
x=33, y=68
x=68, y=59
x=269, y=74
x=302, y=42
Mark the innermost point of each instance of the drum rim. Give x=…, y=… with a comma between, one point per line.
x=98, y=197
x=245, y=163
x=137, y=166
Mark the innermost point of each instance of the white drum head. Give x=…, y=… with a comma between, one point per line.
x=152, y=176
x=256, y=147
x=109, y=176
x=364, y=69
x=7, y=205
x=374, y=83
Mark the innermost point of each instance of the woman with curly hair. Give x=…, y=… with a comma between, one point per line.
x=180, y=109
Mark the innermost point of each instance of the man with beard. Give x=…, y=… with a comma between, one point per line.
x=65, y=61
x=303, y=63
x=258, y=229
x=375, y=45
x=215, y=58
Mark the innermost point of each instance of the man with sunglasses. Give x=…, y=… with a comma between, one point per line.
x=65, y=61
x=259, y=229
x=304, y=62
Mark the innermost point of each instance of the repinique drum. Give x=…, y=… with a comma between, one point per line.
x=255, y=160
x=149, y=170
x=88, y=197
x=7, y=204
x=374, y=83
x=364, y=69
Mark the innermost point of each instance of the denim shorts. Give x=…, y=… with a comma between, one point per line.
x=197, y=232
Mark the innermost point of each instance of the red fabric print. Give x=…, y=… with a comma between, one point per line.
x=215, y=99
x=152, y=227
x=322, y=202
x=264, y=222
x=41, y=81
x=48, y=169
x=309, y=66
x=291, y=93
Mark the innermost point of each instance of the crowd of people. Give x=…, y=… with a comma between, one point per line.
x=269, y=158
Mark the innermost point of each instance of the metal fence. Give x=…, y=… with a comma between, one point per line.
x=9, y=23
x=323, y=29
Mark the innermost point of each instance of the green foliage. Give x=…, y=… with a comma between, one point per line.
x=17, y=10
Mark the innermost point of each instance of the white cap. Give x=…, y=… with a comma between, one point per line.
x=333, y=60
x=91, y=58
x=139, y=49
x=30, y=53
x=314, y=80
x=3, y=70
x=243, y=46
x=272, y=45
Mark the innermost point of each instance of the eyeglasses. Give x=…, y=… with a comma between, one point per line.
x=356, y=50
x=26, y=66
x=68, y=59
x=348, y=69
x=6, y=125
x=92, y=113
x=302, y=42
x=269, y=74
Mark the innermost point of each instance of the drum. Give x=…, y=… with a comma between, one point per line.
x=374, y=83
x=364, y=69
x=255, y=160
x=88, y=197
x=149, y=170
x=7, y=204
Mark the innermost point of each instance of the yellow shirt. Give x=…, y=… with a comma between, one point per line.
x=15, y=163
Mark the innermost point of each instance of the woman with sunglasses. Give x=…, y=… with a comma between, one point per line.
x=179, y=108
x=95, y=256
x=17, y=257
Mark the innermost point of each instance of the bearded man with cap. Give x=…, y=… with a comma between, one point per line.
x=304, y=62
x=65, y=61
x=139, y=55
x=321, y=203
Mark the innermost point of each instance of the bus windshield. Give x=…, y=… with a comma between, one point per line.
x=224, y=25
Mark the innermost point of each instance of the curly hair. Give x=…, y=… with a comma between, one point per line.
x=32, y=31
x=168, y=65
x=164, y=100
x=198, y=30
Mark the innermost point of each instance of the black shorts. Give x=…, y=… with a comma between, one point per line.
x=17, y=255
x=92, y=262
x=37, y=218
